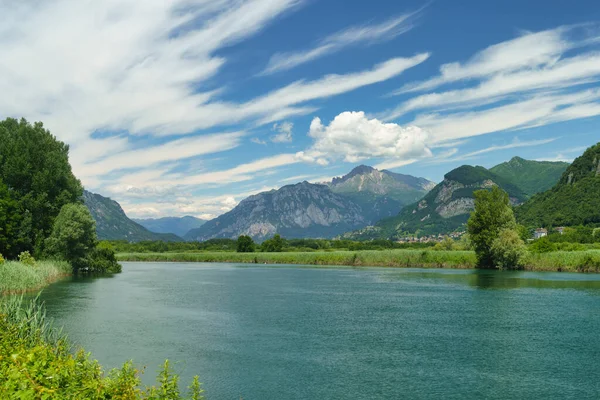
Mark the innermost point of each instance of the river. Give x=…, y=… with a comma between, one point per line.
x=289, y=332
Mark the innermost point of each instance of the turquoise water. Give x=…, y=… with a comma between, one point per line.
x=333, y=333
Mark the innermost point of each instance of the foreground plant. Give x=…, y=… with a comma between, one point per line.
x=36, y=362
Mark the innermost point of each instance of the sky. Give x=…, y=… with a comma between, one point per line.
x=186, y=107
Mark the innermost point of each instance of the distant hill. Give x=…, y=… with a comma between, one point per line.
x=574, y=200
x=444, y=209
x=531, y=176
x=380, y=193
x=294, y=211
x=113, y=224
x=176, y=225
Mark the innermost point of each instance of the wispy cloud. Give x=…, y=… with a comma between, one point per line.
x=356, y=35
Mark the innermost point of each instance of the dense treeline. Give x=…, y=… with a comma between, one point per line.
x=41, y=209
x=288, y=245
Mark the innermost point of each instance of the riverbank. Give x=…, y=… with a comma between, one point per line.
x=36, y=362
x=16, y=277
x=576, y=261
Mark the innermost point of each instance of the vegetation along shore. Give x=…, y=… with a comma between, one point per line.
x=565, y=261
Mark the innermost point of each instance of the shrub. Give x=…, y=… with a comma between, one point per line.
x=508, y=249
x=1, y=259
x=542, y=245
x=27, y=259
x=273, y=245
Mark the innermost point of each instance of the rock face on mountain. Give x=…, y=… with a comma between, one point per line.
x=175, y=225
x=444, y=209
x=294, y=211
x=531, y=176
x=574, y=200
x=113, y=224
x=380, y=193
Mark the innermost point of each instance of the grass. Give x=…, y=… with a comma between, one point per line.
x=574, y=261
x=16, y=277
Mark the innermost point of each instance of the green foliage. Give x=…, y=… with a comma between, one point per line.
x=36, y=363
x=446, y=244
x=2, y=261
x=26, y=258
x=542, y=245
x=73, y=236
x=531, y=176
x=492, y=215
x=508, y=249
x=574, y=201
x=37, y=182
x=273, y=245
x=245, y=244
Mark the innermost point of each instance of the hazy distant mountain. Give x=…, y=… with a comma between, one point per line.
x=531, y=176
x=380, y=193
x=574, y=200
x=176, y=225
x=294, y=211
x=445, y=208
x=113, y=224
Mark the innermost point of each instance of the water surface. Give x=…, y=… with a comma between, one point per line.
x=331, y=333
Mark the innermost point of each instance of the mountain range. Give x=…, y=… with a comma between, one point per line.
x=113, y=224
x=445, y=208
x=531, y=176
x=176, y=225
x=358, y=199
x=574, y=200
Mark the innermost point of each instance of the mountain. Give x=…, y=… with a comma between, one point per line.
x=113, y=224
x=380, y=193
x=444, y=209
x=294, y=211
x=574, y=200
x=176, y=225
x=531, y=176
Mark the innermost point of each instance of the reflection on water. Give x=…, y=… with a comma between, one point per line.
x=489, y=279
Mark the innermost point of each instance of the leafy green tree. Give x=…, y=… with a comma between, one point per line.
x=508, y=249
x=245, y=244
x=73, y=236
x=492, y=215
x=542, y=245
x=35, y=170
x=12, y=222
x=273, y=245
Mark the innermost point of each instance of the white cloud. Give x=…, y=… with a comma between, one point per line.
x=338, y=41
x=258, y=141
x=353, y=137
x=284, y=132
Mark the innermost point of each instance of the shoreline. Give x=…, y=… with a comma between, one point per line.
x=581, y=262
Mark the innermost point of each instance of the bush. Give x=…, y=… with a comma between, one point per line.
x=542, y=245
x=27, y=259
x=273, y=245
x=1, y=259
x=508, y=249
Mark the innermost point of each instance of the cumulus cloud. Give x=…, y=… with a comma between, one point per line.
x=284, y=132
x=353, y=137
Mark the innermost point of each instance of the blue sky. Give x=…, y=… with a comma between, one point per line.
x=186, y=107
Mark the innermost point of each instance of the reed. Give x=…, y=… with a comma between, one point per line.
x=16, y=277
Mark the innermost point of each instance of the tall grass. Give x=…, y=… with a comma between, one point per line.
x=16, y=277
x=569, y=261
x=36, y=362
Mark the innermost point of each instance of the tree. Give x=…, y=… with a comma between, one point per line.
x=73, y=236
x=492, y=215
x=508, y=249
x=245, y=244
x=273, y=245
x=35, y=170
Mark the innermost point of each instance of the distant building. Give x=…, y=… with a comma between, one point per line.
x=560, y=229
x=540, y=233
